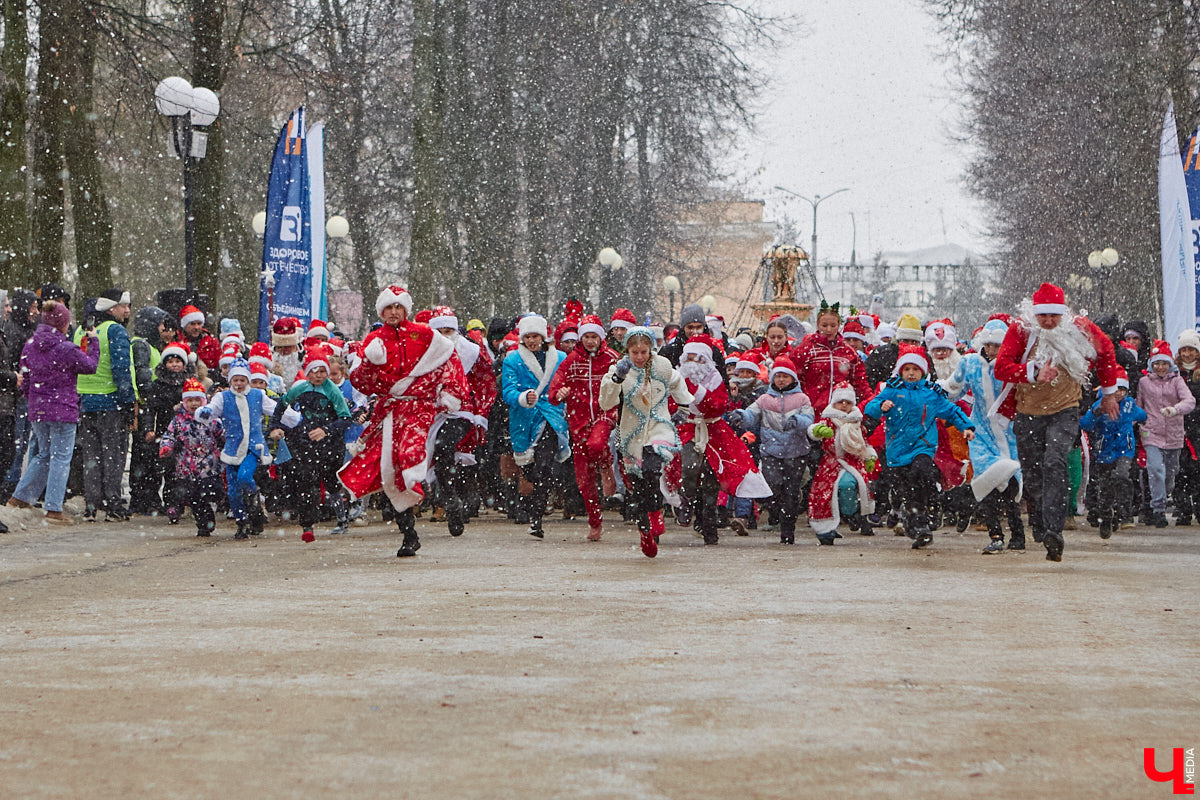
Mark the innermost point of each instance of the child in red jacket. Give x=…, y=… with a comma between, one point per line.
x=577, y=382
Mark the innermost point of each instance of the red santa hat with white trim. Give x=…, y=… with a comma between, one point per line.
x=178, y=350
x=753, y=360
x=1049, y=299
x=702, y=346
x=318, y=328
x=314, y=357
x=443, y=317
x=622, y=318
x=1160, y=351
x=190, y=314
x=783, y=366
x=285, y=332
x=229, y=353
x=260, y=372
x=591, y=324
x=843, y=391
x=192, y=387
x=1122, y=378
x=392, y=295
x=853, y=329
x=911, y=354
x=260, y=353
x=940, y=334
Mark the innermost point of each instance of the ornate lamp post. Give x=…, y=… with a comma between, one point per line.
x=1102, y=260
x=671, y=285
x=187, y=106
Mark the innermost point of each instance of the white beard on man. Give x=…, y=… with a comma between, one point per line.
x=944, y=367
x=1064, y=346
x=287, y=366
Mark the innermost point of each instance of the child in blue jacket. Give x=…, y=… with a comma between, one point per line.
x=1114, y=449
x=912, y=406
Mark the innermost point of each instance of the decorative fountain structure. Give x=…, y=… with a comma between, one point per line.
x=784, y=260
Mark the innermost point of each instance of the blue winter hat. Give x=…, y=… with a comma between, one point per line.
x=640, y=330
x=992, y=332
x=239, y=367
x=230, y=325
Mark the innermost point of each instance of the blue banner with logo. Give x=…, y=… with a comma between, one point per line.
x=293, y=261
x=1191, y=176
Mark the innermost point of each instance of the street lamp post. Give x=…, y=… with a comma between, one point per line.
x=672, y=285
x=814, y=202
x=187, y=106
x=611, y=260
x=1102, y=260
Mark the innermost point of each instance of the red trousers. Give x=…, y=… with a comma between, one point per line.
x=593, y=464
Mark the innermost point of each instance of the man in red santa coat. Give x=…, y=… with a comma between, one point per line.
x=713, y=456
x=1045, y=359
x=418, y=378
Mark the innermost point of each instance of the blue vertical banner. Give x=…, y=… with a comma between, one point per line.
x=1175, y=236
x=293, y=262
x=1191, y=176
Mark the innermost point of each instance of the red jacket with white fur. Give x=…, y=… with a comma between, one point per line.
x=1013, y=366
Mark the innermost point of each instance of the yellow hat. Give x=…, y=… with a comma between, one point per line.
x=909, y=327
x=475, y=325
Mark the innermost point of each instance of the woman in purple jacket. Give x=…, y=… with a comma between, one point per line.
x=50, y=362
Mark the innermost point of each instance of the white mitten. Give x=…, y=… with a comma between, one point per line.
x=1169, y=411
x=376, y=353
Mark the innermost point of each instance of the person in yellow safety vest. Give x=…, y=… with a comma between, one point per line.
x=107, y=405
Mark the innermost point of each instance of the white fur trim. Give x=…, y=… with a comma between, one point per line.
x=994, y=477
x=591, y=327
x=188, y=319
x=468, y=352
x=443, y=322
x=533, y=323
x=244, y=371
x=779, y=371
x=911, y=358
x=311, y=365
x=1049, y=308
x=698, y=349
x=854, y=335
x=176, y=350
x=376, y=352
x=752, y=366
x=262, y=360
x=199, y=394
x=1160, y=357
x=389, y=298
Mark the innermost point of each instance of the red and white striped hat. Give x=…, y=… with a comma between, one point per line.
x=229, y=353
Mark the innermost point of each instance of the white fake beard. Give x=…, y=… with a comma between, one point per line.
x=696, y=371
x=287, y=366
x=1064, y=346
x=944, y=367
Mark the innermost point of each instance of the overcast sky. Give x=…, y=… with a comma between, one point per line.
x=860, y=98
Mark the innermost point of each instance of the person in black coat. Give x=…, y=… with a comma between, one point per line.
x=16, y=331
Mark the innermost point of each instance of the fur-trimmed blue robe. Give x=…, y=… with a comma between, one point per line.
x=520, y=374
x=994, y=448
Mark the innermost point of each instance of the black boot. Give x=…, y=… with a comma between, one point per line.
x=406, y=522
x=242, y=532
x=455, y=514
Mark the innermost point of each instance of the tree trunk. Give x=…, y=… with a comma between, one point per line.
x=89, y=205
x=208, y=71
x=429, y=251
x=14, y=218
x=46, y=249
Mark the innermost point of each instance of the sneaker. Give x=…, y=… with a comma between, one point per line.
x=535, y=530
x=1017, y=544
x=825, y=539
x=241, y=535
x=307, y=536
x=339, y=528
x=1182, y=520
x=58, y=518
x=711, y=538
x=410, y=546
x=15, y=503
x=117, y=513
x=1106, y=530
x=1054, y=547
x=875, y=519
x=994, y=546
x=173, y=515
x=739, y=526
x=922, y=539
x=595, y=533
x=684, y=517
x=89, y=513
x=964, y=521
x=1160, y=520
x=789, y=538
